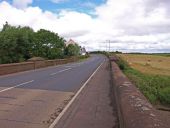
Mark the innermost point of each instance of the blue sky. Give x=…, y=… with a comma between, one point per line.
x=130, y=25
x=85, y=6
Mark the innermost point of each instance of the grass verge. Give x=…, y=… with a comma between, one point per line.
x=155, y=87
x=83, y=57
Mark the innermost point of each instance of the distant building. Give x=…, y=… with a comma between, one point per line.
x=83, y=51
x=70, y=42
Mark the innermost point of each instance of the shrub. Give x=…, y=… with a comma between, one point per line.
x=164, y=95
x=155, y=87
x=123, y=65
x=84, y=57
x=151, y=97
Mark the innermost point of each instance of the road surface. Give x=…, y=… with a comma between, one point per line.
x=33, y=99
x=95, y=106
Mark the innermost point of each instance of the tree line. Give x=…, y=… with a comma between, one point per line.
x=18, y=44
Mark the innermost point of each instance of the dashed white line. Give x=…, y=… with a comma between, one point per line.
x=72, y=66
x=60, y=71
x=69, y=66
x=16, y=86
x=72, y=100
x=75, y=65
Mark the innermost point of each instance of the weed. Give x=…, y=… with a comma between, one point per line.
x=155, y=87
x=165, y=95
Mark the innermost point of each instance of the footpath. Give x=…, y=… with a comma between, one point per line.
x=94, y=107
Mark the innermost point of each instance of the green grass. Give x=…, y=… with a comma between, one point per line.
x=82, y=58
x=162, y=54
x=155, y=87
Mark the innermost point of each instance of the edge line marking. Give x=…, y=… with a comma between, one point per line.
x=75, y=96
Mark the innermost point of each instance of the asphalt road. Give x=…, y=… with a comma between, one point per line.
x=33, y=99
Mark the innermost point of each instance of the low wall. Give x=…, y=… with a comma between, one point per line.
x=16, y=67
x=134, y=110
x=25, y=66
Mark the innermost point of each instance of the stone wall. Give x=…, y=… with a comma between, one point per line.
x=32, y=65
x=134, y=110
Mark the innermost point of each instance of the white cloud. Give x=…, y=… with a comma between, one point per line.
x=128, y=24
x=22, y=3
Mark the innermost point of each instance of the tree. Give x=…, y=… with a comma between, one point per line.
x=48, y=44
x=18, y=44
x=73, y=50
x=8, y=44
x=6, y=26
x=25, y=38
x=15, y=43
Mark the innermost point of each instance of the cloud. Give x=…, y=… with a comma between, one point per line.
x=22, y=3
x=138, y=24
x=58, y=1
x=74, y=34
x=130, y=25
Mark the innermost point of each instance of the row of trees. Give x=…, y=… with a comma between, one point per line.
x=18, y=44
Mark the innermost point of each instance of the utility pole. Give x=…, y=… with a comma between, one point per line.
x=109, y=46
x=108, y=49
x=106, y=45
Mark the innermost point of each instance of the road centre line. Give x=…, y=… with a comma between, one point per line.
x=60, y=71
x=72, y=66
x=73, y=99
x=16, y=86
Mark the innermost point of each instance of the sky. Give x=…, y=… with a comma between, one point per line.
x=129, y=25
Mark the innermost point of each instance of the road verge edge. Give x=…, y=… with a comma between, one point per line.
x=73, y=99
x=134, y=110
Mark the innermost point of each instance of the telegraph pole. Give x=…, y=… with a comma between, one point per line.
x=108, y=49
x=106, y=45
x=109, y=46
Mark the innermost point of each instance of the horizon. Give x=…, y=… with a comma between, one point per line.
x=129, y=26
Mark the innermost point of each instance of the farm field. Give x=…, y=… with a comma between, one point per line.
x=150, y=64
x=150, y=73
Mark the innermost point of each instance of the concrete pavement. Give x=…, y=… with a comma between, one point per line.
x=29, y=108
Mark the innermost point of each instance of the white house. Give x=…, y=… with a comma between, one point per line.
x=70, y=42
x=83, y=51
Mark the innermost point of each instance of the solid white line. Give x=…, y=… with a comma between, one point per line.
x=72, y=100
x=60, y=71
x=16, y=86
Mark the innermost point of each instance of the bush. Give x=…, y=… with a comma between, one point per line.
x=155, y=87
x=151, y=97
x=84, y=57
x=123, y=65
x=164, y=95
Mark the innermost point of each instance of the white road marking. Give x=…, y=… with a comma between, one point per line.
x=72, y=100
x=69, y=66
x=16, y=86
x=73, y=66
x=60, y=71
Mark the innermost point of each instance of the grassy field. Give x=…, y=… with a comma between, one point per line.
x=150, y=73
x=150, y=64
